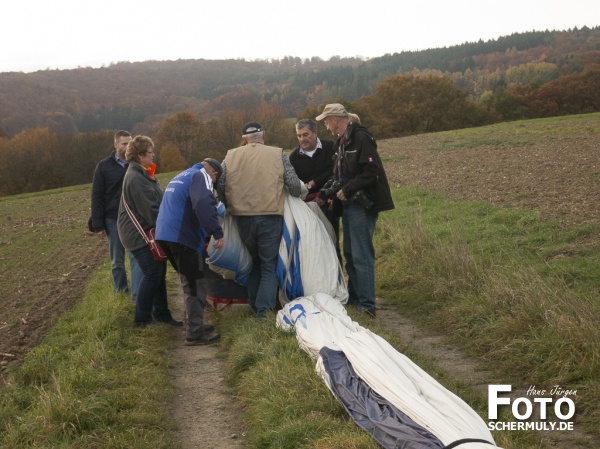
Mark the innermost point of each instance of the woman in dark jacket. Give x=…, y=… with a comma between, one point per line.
x=143, y=195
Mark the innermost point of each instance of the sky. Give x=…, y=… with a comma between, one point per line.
x=66, y=34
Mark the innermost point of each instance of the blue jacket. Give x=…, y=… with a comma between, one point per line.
x=188, y=213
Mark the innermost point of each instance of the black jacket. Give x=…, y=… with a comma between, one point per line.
x=362, y=169
x=106, y=191
x=317, y=168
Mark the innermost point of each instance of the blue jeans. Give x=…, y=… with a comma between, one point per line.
x=152, y=290
x=359, y=252
x=117, y=261
x=261, y=235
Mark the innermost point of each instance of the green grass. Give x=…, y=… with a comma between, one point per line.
x=519, y=134
x=519, y=294
x=95, y=381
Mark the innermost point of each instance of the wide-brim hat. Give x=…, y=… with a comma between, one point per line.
x=333, y=109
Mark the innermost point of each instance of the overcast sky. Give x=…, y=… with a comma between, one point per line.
x=63, y=34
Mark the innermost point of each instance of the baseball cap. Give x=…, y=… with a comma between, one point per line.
x=251, y=127
x=216, y=166
x=333, y=109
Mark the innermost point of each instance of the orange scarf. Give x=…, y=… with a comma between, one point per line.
x=151, y=170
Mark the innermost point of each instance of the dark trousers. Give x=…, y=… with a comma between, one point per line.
x=261, y=235
x=188, y=264
x=152, y=290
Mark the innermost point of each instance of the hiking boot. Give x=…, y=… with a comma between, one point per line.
x=203, y=341
x=172, y=321
x=146, y=324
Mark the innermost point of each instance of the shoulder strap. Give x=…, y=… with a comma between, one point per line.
x=135, y=222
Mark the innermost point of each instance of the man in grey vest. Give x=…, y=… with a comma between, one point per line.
x=252, y=187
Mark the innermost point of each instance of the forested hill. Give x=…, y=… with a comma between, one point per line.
x=138, y=96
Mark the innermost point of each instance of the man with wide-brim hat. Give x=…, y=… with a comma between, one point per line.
x=359, y=190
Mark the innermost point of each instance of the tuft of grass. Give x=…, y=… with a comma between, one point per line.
x=95, y=381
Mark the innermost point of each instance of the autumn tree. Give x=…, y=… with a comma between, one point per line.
x=84, y=151
x=536, y=73
x=171, y=158
x=4, y=163
x=31, y=165
x=405, y=104
x=227, y=130
x=186, y=132
x=507, y=105
x=576, y=93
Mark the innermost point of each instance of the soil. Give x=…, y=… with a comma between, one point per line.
x=559, y=178
x=208, y=416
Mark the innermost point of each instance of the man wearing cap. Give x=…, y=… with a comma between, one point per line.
x=252, y=187
x=362, y=191
x=187, y=217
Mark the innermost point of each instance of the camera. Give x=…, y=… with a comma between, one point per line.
x=362, y=199
x=330, y=192
x=359, y=197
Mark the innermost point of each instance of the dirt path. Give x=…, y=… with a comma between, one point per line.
x=208, y=416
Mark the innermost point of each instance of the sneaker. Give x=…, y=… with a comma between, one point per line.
x=208, y=328
x=203, y=341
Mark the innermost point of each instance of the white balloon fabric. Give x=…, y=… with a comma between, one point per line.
x=308, y=262
x=232, y=260
x=320, y=321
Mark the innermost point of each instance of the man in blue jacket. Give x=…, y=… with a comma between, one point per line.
x=106, y=194
x=187, y=217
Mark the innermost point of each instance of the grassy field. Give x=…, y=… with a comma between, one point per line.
x=514, y=288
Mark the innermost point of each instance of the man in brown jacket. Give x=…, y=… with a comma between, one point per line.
x=252, y=187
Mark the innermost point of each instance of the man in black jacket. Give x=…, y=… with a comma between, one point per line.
x=313, y=162
x=360, y=188
x=106, y=194
x=313, y=159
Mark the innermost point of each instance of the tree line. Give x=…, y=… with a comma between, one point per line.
x=429, y=101
x=139, y=96
x=62, y=152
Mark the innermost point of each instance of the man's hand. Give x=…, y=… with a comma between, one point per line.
x=101, y=234
x=218, y=243
x=341, y=195
x=303, y=190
